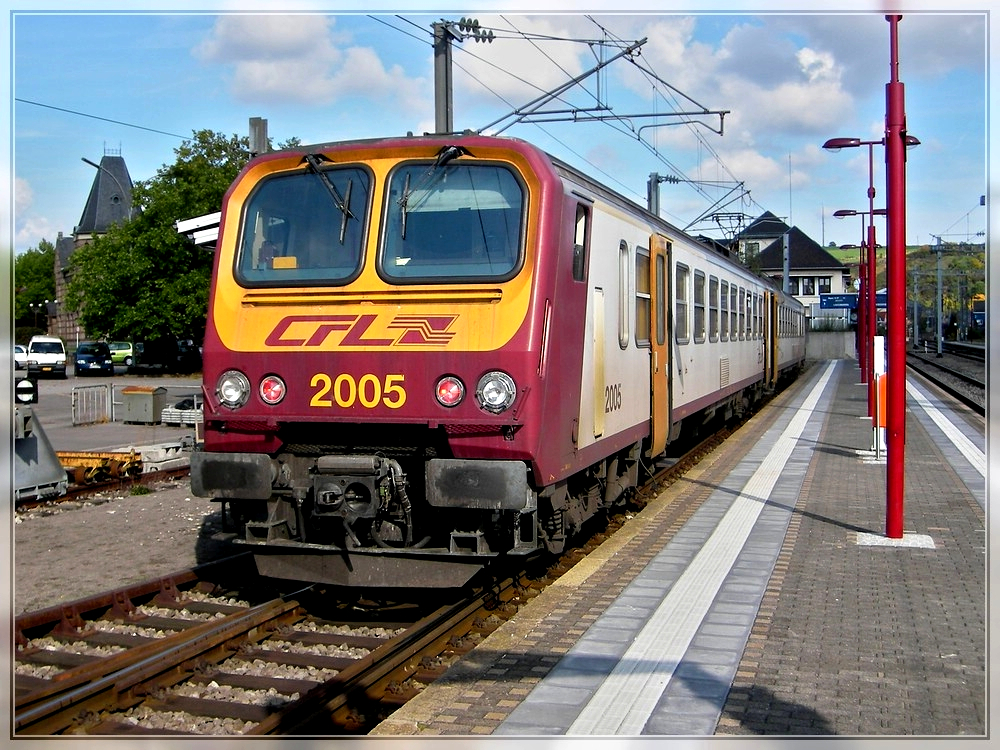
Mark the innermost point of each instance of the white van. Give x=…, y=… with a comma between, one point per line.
x=46, y=356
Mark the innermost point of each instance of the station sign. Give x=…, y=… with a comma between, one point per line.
x=848, y=301
x=838, y=301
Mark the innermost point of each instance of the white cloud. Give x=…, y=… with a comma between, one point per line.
x=818, y=66
x=301, y=59
x=24, y=196
x=517, y=69
x=272, y=37
x=30, y=229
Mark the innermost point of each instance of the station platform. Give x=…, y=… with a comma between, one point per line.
x=778, y=608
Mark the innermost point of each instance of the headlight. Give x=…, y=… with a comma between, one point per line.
x=233, y=389
x=496, y=391
x=449, y=391
x=272, y=389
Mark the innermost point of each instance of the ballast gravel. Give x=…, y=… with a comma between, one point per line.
x=67, y=551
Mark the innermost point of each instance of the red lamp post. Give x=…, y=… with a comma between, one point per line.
x=895, y=158
x=896, y=141
x=866, y=297
x=835, y=144
x=862, y=295
x=861, y=284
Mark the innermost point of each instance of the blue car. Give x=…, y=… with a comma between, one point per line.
x=93, y=358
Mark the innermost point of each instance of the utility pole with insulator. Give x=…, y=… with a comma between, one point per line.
x=444, y=33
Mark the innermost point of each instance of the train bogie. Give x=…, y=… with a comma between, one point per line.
x=425, y=355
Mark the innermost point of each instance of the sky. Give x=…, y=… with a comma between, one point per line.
x=126, y=78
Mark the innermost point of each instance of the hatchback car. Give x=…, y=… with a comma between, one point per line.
x=20, y=357
x=121, y=353
x=93, y=358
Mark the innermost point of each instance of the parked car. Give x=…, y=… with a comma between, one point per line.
x=46, y=356
x=121, y=353
x=93, y=358
x=166, y=354
x=188, y=356
x=20, y=357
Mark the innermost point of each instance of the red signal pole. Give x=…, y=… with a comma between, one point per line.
x=895, y=156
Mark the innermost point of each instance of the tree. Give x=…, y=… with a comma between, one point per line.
x=34, y=282
x=142, y=280
x=34, y=277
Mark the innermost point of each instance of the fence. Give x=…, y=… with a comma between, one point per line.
x=93, y=404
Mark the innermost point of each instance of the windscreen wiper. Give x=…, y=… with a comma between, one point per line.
x=445, y=155
x=342, y=204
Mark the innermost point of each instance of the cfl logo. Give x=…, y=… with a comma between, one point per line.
x=430, y=331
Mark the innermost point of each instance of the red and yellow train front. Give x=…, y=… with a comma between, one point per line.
x=375, y=332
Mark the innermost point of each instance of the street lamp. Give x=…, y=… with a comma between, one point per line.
x=896, y=141
x=862, y=292
x=835, y=144
x=126, y=196
x=867, y=313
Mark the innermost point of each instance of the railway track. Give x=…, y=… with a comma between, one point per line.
x=961, y=377
x=184, y=656
x=82, y=491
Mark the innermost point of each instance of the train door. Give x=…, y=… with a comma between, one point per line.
x=659, y=361
x=771, y=331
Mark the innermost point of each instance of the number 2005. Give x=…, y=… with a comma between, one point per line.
x=368, y=390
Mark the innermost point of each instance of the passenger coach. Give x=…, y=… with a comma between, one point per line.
x=424, y=354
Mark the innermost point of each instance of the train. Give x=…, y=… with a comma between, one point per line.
x=426, y=356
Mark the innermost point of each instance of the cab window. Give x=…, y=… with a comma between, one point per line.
x=305, y=228
x=453, y=221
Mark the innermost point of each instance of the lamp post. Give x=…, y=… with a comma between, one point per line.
x=867, y=315
x=895, y=158
x=835, y=144
x=862, y=292
x=125, y=196
x=896, y=142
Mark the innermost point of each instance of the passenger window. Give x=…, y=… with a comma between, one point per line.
x=699, y=307
x=642, y=296
x=624, y=298
x=681, y=333
x=724, y=300
x=748, y=318
x=743, y=314
x=734, y=328
x=713, y=308
x=661, y=296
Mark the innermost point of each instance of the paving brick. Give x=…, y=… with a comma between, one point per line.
x=846, y=639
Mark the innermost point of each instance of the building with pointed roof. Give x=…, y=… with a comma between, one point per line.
x=109, y=202
x=110, y=199
x=812, y=271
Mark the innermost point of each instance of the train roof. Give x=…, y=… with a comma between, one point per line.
x=470, y=138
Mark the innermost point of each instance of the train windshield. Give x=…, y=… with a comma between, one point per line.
x=305, y=228
x=459, y=221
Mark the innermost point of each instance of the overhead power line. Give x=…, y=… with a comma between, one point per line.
x=98, y=117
